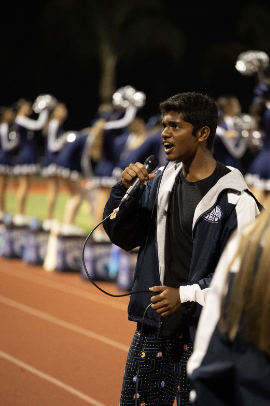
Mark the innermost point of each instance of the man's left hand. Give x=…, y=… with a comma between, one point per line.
x=167, y=301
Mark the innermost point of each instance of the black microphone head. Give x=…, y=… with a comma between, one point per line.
x=151, y=163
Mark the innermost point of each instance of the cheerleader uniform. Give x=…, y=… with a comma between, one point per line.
x=73, y=159
x=103, y=173
x=228, y=150
x=259, y=171
x=151, y=146
x=68, y=161
x=27, y=159
x=54, y=144
x=6, y=149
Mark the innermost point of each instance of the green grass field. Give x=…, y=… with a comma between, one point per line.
x=36, y=206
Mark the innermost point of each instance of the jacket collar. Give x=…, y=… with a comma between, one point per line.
x=232, y=181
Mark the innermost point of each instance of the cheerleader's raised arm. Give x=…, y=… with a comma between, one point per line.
x=34, y=125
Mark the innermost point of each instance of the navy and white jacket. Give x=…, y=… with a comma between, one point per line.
x=224, y=372
x=141, y=222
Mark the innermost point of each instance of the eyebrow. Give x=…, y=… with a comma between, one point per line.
x=171, y=122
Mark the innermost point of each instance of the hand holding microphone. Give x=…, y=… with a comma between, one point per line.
x=136, y=174
x=134, y=171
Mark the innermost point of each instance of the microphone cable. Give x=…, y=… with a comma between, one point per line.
x=87, y=273
x=150, y=164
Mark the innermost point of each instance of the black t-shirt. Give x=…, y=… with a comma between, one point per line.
x=184, y=198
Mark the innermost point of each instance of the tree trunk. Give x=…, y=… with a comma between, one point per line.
x=107, y=84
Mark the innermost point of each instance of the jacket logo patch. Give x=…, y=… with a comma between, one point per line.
x=214, y=216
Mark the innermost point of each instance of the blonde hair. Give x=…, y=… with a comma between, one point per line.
x=248, y=301
x=98, y=133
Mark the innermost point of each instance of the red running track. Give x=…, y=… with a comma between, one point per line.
x=62, y=342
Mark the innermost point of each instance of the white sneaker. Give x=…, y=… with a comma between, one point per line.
x=21, y=220
x=48, y=224
x=72, y=229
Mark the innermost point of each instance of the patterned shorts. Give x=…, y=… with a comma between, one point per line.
x=162, y=371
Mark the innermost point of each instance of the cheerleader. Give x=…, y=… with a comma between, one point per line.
x=109, y=154
x=8, y=142
x=27, y=159
x=228, y=148
x=54, y=143
x=103, y=172
x=151, y=145
x=130, y=141
x=125, y=99
x=68, y=172
x=71, y=161
x=230, y=364
x=258, y=176
x=96, y=143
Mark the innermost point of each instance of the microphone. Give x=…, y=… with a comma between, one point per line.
x=150, y=164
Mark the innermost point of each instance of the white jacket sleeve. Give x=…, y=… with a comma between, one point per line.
x=123, y=122
x=54, y=144
x=34, y=125
x=6, y=143
x=193, y=293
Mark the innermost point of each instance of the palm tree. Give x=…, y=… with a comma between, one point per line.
x=110, y=31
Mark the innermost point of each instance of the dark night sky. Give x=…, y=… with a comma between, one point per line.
x=26, y=70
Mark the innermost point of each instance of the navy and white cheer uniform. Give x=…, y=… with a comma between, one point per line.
x=7, y=147
x=103, y=172
x=54, y=144
x=69, y=159
x=259, y=171
x=28, y=159
x=228, y=150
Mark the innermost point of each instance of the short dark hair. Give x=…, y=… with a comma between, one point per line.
x=197, y=109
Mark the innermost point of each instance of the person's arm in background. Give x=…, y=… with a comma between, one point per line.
x=34, y=125
x=129, y=116
x=8, y=144
x=54, y=144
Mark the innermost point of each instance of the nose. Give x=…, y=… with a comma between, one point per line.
x=165, y=133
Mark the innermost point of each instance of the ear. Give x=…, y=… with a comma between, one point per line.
x=203, y=133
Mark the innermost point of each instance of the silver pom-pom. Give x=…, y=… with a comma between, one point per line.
x=44, y=101
x=246, y=126
x=127, y=95
x=251, y=62
x=244, y=122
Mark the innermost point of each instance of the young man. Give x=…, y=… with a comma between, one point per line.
x=181, y=218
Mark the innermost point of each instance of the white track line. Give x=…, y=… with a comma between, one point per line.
x=65, y=288
x=50, y=379
x=62, y=323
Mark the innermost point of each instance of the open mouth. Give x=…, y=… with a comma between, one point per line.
x=167, y=147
